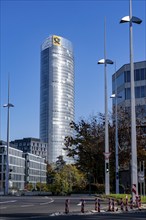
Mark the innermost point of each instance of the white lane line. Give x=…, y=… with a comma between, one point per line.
x=8, y=201
x=45, y=203
x=26, y=205
x=3, y=207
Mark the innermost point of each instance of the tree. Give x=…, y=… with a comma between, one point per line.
x=86, y=147
x=50, y=174
x=29, y=186
x=60, y=163
x=67, y=180
x=87, y=144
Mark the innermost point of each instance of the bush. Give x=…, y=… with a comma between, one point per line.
x=95, y=188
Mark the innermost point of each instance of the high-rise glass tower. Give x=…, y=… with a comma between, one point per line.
x=56, y=94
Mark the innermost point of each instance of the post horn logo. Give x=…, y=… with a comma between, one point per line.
x=56, y=41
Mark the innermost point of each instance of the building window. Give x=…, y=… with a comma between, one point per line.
x=137, y=75
x=137, y=92
x=127, y=93
x=143, y=91
x=143, y=74
x=127, y=76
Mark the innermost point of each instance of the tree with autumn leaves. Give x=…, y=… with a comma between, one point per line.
x=65, y=178
x=86, y=145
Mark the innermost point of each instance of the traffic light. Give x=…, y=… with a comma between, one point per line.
x=107, y=167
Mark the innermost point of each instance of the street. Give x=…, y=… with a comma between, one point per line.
x=45, y=207
x=125, y=216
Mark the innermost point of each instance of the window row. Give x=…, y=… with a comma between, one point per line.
x=140, y=92
x=139, y=74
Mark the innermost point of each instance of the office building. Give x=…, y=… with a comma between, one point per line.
x=36, y=169
x=56, y=94
x=122, y=80
x=16, y=167
x=32, y=146
x=24, y=168
x=121, y=83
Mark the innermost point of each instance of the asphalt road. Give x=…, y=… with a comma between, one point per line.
x=44, y=207
x=124, y=216
x=37, y=205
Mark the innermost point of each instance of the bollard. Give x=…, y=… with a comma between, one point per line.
x=67, y=206
x=139, y=203
x=126, y=205
x=82, y=206
x=122, y=205
x=113, y=205
x=131, y=203
x=109, y=205
x=136, y=205
x=98, y=205
x=95, y=204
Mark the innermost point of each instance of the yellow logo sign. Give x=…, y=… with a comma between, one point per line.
x=56, y=40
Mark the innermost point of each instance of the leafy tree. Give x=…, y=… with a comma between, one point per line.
x=42, y=187
x=87, y=144
x=68, y=179
x=86, y=147
x=29, y=186
x=124, y=124
x=50, y=174
x=124, y=136
x=60, y=163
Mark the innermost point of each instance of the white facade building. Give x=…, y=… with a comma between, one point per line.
x=32, y=146
x=16, y=167
x=24, y=168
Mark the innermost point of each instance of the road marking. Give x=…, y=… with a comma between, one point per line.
x=45, y=203
x=3, y=207
x=26, y=205
x=8, y=201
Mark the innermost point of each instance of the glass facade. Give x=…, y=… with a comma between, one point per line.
x=140, y=92
x=36, y=169
x=16, y=168
x=122, y=79
x=23, y=168
x=31, y=145
x=56, y=94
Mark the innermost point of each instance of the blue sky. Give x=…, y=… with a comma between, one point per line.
x=26, y=24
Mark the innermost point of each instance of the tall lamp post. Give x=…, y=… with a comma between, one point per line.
x=8, y=106
x=134, y=181
x=105, y=62
x=116, y=96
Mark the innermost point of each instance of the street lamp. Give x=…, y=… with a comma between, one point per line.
x=115, y=96
x=131, y=19
x=105, y=62
x=8, y=106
